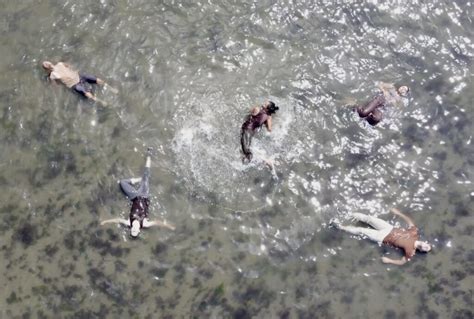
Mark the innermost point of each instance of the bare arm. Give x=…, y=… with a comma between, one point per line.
x=147, y=224
x=407, y=219
x=116, y=221
x=385, y=87
x=398, y=262
x=91, y=96
x=53, y=81
x=52, y=78
x=268, y=123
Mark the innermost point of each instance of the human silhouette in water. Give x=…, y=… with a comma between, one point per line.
x=76, y=81
x=259, y=116
x=139, y=197
x=371, y=111
x=384, y=233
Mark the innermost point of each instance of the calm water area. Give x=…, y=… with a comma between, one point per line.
x=245, y=245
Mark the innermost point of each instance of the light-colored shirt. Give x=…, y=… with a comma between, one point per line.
x=65, y=74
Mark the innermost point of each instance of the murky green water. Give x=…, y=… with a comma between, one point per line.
x=245, y=246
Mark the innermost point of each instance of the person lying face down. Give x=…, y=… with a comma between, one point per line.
x=371, y=110
x=71, y=78
x=139, y=197
x=384, y=233
x=259, y=116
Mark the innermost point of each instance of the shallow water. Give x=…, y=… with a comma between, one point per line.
x=246, y=245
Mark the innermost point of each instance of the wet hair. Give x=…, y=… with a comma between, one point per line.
x=407, y=90
x=423, y=246
x=47, y=65
x=374, y=117
x=272, y=108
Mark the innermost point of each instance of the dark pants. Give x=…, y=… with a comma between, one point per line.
x=142, y=191
x=245, y=141
x=371, y=111
x=82, y=88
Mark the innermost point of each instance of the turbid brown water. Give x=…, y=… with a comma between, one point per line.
x=246, y=246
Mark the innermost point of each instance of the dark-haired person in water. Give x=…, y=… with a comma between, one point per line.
x=259, y=116
x=388, y=95
x=138, y=217
x=383, y=232
x=78, y=82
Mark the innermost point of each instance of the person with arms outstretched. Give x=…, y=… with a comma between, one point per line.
x=384, y=233
x=139, y=197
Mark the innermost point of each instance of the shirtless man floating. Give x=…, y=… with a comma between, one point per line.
x=74, y=80
x=383, y=232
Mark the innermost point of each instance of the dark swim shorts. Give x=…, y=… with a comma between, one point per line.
x=82, y=88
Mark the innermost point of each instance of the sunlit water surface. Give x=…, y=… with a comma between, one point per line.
x=246, y=244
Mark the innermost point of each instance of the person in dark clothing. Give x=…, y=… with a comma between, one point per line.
x=371, y=110
x=138, y=217
x=258, y=117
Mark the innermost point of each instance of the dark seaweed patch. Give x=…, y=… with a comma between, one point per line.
x=75, y=240
x=120, y=266
x=461, y=210
x=159, y=249
x=112, y=235
x=12, y=298
x=27, y=234
x=390, y=314
x=256, y=294
x=206, y=273
x=87, y=314
x=100, y=281
x=322, y=310
x=435, y=85
x=284, y=314
x=180, y=272
x=159, y=272
x=242, y=314
x=51, y=250
x=40, y=315
x=352, y=160
x=415, y=135
x=105, y=247
x=440, y=156
x=463, y=313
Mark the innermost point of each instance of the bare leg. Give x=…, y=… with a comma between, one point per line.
x=91, y=96
x=245, y=141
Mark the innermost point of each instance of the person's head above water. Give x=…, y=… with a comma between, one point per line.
x=422, y=246
x=135, y=228
x=270, y=107
x=48, y=65
x=403, y=90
